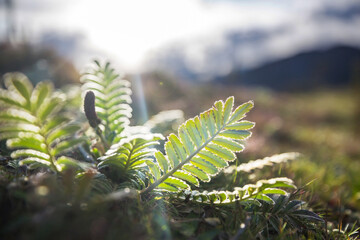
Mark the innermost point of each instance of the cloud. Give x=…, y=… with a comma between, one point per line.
x=309, y=25
x=127, y=30
x=201, y=37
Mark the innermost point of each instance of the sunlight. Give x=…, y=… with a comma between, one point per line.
x=127, y=31
x=132, y=29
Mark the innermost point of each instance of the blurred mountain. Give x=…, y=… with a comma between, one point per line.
x=333, y=67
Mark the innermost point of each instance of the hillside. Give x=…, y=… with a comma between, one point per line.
x=334, y=67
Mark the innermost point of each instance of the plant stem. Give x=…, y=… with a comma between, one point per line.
x=102, y=138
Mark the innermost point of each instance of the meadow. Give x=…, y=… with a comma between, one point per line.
x=99, y=177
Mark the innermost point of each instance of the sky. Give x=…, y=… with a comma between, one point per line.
x=138, y=33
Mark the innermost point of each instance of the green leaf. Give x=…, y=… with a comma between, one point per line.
x=50, y=107
x=168, y=187
x=264, y=198
x=204, y=165
x=274, y=221
x=54, y=122
x=65, y=163
x=202, y=129
x=221, y=196
x=213, y=159
x=229, y=144
x=10, y=99
x=38, y=161
x=208, y=118
x=177, y=145
x=20, y=127
x=294, y=204
x=277, y=182
x=193, y=132
x=240, y=111
x=113, y=163
x=30, y=153
x=63, y=132
x=186, y=177
x=311, y=216
x=273, y=191
x=243, y=125
x=163, y=162
x=42, y=91
x=176, y=183
x=219, y=114
x=27, y=142
x=66, y=145
x=236, y=135
x=185, y=139
x=20, y=83
x=229, y=104
x=173, y=158
x=223, y=153
x=201, y=175
x=16, y=115
x=154, y=169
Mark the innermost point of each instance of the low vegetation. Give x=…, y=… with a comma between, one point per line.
x=92, y=175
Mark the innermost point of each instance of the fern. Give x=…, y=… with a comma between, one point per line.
x=205, y=145
x=112, y=101
x=250, y=193
x=126, y=160
x=33, y=126
x=261, y=163
x=108, y=111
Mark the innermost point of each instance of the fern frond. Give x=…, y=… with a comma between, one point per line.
x=127, y=159
x=204, y=146
x=261, y=163
x=112, y=100
x=102, y=185
x=248, y=194
x=32, y=125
